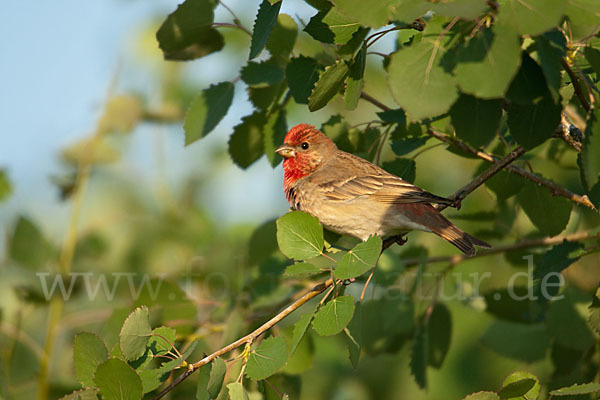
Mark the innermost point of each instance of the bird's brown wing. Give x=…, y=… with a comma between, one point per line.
x=367, y=179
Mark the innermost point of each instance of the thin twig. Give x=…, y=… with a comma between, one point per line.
x=499, y=165
x=374, y=101
x=555, y=189
x=229, y=25
x=524, y=244
x=362, y=295
x=576, y=85
x=315, y=291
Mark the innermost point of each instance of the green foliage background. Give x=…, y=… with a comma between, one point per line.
x=482, y=75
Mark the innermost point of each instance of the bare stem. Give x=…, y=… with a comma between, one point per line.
x=575, y=81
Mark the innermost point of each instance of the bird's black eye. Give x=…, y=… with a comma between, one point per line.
x=304, y=145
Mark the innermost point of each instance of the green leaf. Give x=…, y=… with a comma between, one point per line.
x=217, y=376
x=329, y=83
x=373, y=14
x=466, y=9
x=162, y=340
x=88, y=352
x=532, y=125
x=590, y=152
x=529, y=85
x=525, y=342
x=331, y=26
x=418, y=356
x=520, y=376
x=476, y=121
x=263, y=25
x=263, y=98
x=516, y=389
x=267, y=358
x=300, y=329
x=187, y=34
x=236, y=389
x=118, y=381
x=553, y=261
x=299, y=235
x=593, y=57
x=275, y=131
x=488, y=62
x=261, y=74
x=202, y=384
x=551, y=48
x=302, y=269
x=585, y=388
x=262, y=243
x=302, y=73
x=354, y=82
x=26, y=237
x=407, y=11
x=482, y=396
x=419, y=83
x=532, y=17
x=550, y=214
x=135, y=333
x=176, y=363
x=595, y=312
x=283, y=37
x=83, y=394
x=246, y=144
x=567, y=326
x=207, y=110
x=334, y=316
x=405, y=168
x=360, y=259
x=583, y=18
x=151, y=379
x=5, y=186
x=439, y=335
x=404, y=146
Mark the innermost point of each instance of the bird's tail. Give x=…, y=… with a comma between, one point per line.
x=462, y=240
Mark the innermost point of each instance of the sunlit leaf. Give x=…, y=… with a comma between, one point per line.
x=360, y=259
x=585, y=388
x=89, y=351
x=207, y=110
x=523, y=378
x=334, y=316
x=135, y=333
x=236, y=389
x=300, y=236
x=118, y=381
x=329, y=83
x=531, y=17
x=267, y=358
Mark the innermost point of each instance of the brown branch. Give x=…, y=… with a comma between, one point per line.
x=374, y=101
x=461, y=193
x=250, y=337
x=569, y=133
x=524, y=244
x=576, y=86
x=555, y=189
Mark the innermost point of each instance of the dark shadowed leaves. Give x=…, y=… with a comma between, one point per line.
x=246, y=144
x=207, y=110
x=187, y=34
x=283, y=37
x=354, y=82
x=275, y=131
x=475, y=120
x=525, y=342
x=405, y=168
x=550, y=214
x=263, y=25
x=261, y=74
x=590, y=153
x=439, y=335
x=302, y=73
x=331, y=26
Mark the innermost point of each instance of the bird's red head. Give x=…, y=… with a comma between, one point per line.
x=304, y=150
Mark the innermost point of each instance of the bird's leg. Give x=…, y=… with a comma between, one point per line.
x=393, y=239
x=457, y=203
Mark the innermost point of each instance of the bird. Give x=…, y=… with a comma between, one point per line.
x=352, y=196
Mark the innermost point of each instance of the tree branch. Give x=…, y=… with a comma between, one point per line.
x=555, y=189
x=576, y=86
x=315, y=291
x=524, y=244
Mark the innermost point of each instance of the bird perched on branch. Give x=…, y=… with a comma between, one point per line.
x=352, y=196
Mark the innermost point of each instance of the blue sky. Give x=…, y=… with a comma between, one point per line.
x=57, y=65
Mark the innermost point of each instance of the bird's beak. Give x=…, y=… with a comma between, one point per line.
x=286, y=151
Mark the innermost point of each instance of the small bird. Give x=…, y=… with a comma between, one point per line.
x=351, y=196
